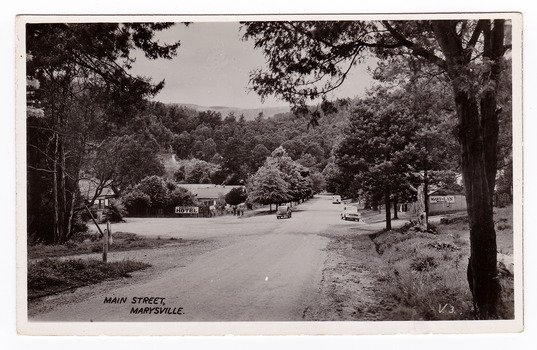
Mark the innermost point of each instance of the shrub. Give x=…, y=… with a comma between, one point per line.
x=236, y=196
x=182, y=196
x=50, y=276
x=425, y=263
x=136, y=199
x=157, y=190
x=115, y=211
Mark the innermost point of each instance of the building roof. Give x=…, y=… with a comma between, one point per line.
x=88, y=187
x=442, y=192
x=208, y=191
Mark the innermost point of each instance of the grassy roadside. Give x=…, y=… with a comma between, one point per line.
x=87, y=243
x=52, y=276
x=406, y=275
x=51, y=271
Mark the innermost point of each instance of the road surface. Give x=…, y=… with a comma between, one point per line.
x=265, y=270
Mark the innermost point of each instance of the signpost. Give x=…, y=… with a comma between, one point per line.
x=442, y=199
x=187, y=210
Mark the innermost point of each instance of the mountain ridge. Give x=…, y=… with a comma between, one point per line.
x=249, y=113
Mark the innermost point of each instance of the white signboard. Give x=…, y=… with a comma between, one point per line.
x=442, y=199
x=186, y=210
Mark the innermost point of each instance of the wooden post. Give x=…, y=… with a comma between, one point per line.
x=110, y=238
x=105, y=244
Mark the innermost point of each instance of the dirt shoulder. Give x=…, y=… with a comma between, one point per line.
x=349, y=288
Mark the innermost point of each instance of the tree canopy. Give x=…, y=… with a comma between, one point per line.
x=81, y=92
x=305, y=60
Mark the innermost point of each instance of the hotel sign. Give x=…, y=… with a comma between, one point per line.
x=186, y=210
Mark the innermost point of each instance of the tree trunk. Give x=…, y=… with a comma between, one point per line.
x=387, y=205
x=477, y=136
x=63, y=191
x=395, y=200
x=56, y=223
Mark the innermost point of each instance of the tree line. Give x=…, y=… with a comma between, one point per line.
x=89, y=119
x=444, y=97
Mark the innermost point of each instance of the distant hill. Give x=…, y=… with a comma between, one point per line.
x=249, y=113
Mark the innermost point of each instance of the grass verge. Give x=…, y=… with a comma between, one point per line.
x=407, y=275
x=87, y=243
x=52, y=276
x=425, y=274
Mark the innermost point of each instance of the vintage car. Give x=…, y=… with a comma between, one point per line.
x=283, y=211
x=350, y=212
x=336, y=200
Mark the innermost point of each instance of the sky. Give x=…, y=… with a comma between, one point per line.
x=213, y=65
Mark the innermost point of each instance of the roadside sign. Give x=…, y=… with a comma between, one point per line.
x=442, y=199
x=186, y=210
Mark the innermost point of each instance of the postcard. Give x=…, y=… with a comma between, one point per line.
x=269, y=174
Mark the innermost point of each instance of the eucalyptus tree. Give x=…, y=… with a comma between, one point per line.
x=380, y=146
x=82, y=92
x=309, y=59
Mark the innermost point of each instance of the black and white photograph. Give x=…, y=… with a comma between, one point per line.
x=269, y=174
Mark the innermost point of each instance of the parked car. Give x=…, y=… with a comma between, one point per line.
x=283, y=211
x=350, y=212
x=336, y=200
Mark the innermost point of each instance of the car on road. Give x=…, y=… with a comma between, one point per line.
x=283, y=211
x=336, y=200
x=350, y=212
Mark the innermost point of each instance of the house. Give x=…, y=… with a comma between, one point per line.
x=209, y=194
x=88, y=191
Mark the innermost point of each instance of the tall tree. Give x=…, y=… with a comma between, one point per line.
x=236, y=196
x=296, y=176
x=380, y=145
x=85, y=92
x=267, y=186
x=308, y=59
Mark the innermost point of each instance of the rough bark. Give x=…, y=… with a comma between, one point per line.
x=477, y=172
x=387, y=204
x=478, y=137
x=56, y=223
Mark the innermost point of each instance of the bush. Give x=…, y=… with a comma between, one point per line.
x=236, y=196
x=50, y=276
x=157, y=190
x=115, y=211
x=424, y=263
x=182, y=196
x=136, y=199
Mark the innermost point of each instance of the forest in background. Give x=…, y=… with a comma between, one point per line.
x=441, y=112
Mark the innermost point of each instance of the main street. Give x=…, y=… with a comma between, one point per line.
x=264, y=269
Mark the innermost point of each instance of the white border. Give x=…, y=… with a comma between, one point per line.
x=269, y=328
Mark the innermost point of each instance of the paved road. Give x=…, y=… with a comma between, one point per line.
x=270, y=271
